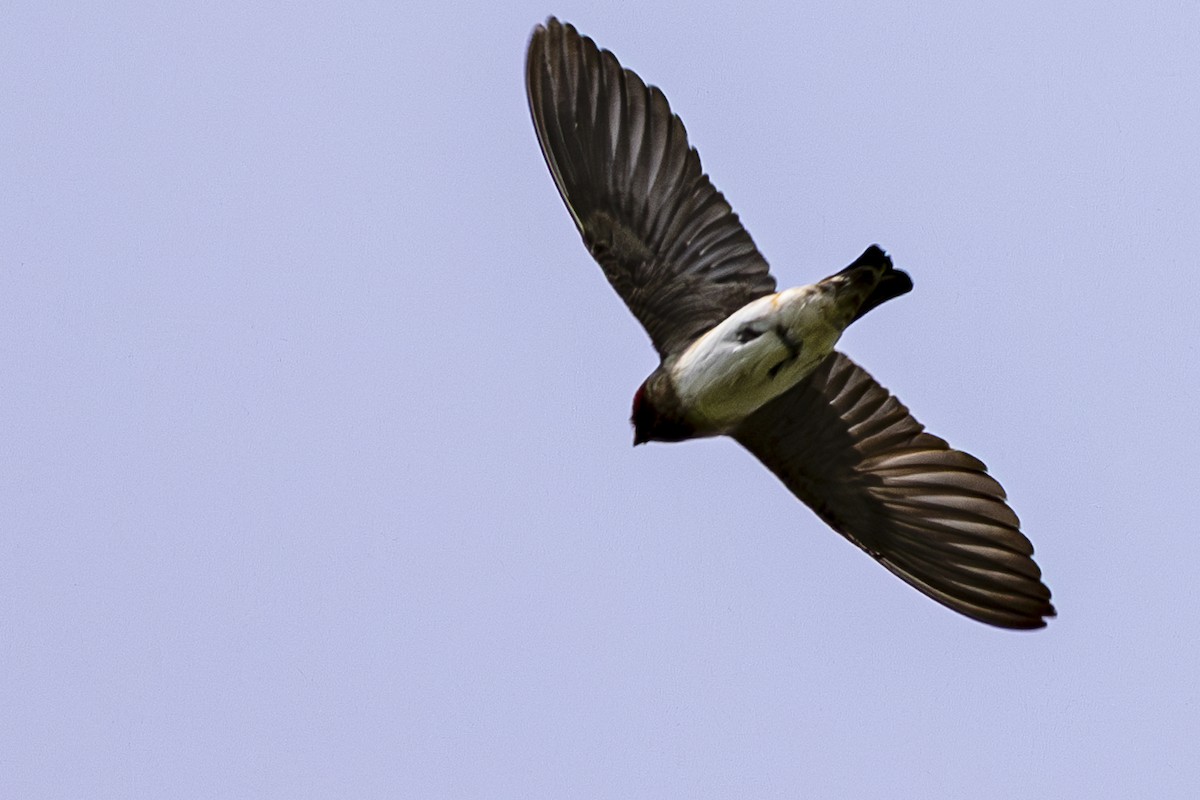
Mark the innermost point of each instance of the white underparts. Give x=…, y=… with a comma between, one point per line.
x=756, y=354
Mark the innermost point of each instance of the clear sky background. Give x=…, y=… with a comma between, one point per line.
x=315, y=468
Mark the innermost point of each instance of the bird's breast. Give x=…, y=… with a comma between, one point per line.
x=753, y=356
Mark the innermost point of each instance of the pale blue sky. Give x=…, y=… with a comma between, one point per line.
x=316, y=476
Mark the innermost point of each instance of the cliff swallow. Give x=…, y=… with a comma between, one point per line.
x=739, y=359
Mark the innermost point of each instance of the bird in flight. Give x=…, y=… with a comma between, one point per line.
x=740, y=359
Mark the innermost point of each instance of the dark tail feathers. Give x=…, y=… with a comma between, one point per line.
x=875, y=266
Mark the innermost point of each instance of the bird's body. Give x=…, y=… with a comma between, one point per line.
x=759, y=352
x=770, y=344
x=739, y=358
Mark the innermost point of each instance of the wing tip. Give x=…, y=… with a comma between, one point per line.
x=1023, y=607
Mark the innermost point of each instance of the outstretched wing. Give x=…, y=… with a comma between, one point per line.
x=930, y=514
x=667, y=240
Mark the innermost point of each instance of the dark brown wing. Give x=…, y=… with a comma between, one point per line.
x=930, y=514
x=667, y=240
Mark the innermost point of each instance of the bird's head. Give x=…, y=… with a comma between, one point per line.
x=652, y=418
x=643, y=417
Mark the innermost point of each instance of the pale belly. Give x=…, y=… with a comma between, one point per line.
x=756, y=354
